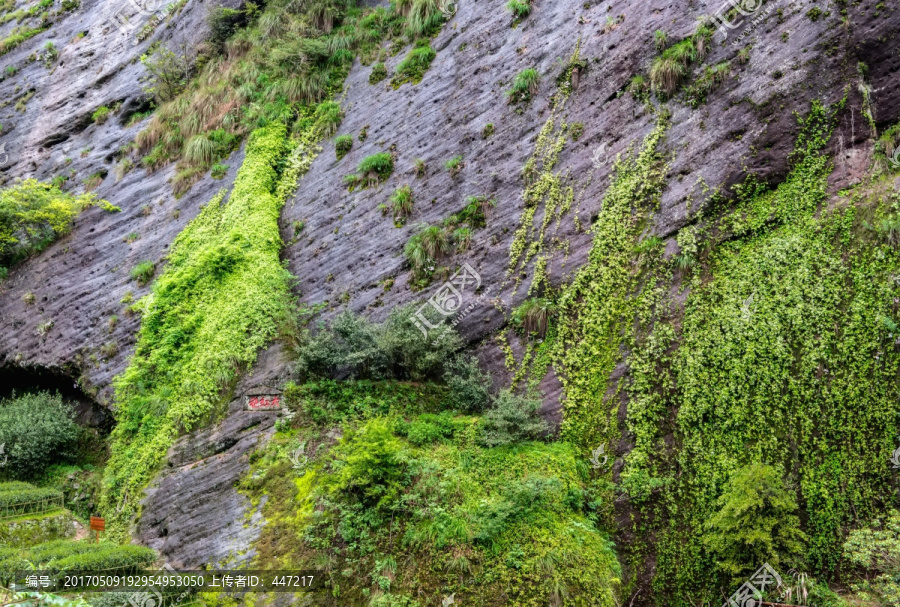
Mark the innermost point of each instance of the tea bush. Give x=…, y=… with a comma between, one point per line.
x=36, y=431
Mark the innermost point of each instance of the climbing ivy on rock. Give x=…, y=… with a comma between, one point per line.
x=215, y=306
x=783, y=359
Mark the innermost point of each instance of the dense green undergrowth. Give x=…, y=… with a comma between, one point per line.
x=407, y=482
x=217, y=303
x=402, y=506
x=786, y=356
x=33, y=215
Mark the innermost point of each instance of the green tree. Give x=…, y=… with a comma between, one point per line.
x=513, y=419
x=756, y=523
x=368, y=465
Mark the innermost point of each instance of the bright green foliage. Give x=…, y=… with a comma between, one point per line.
x=414, y=65
x=519, y=8
x=511, y=525
x=756, y=523
x=33, y=215
x=599, y=303
x=454, y=165
x=143, y=272
x=513, y=419
x=781, y=358
x=101, y=114
x=368, y=466
x=217, y=303
x=37, y=430
x=373, y=170
x=342, y=145
x=332, y=402
x=524, y=87
x=379, y=73
x=402, y=203
x=877, y=549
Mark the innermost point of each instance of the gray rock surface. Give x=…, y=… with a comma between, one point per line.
x=192, y=513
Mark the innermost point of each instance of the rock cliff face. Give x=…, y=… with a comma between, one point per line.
x=350, y=255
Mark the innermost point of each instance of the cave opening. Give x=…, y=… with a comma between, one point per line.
x=23, y=380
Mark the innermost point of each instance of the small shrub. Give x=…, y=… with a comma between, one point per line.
x=513, y=419
x=33, y=215
x=28, y=298
x=424, y=249
x=533, y=316
x=576, y=130
x=661, y=40
x=402, y=202
x=93, y=182
x=463, y=239
x=414, y=65
x=375, y=169
x=639, y=88
x=454, y=165
x=487, y=131
x=519, y=9
x=525, y=86
x=423, y=18
x=329, y=117
x=469, y=386
x=342, y=145
x=218, y=171
x=355, y=347
x=756, y=522
x=100, y=115
x=672, y=66
x=379, y=73
x=143, y=272
x=44, y=328
x=368, y=466
x=37, y=430
x=420, y=167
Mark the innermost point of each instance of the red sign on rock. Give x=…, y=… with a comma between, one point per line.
x=262, y=402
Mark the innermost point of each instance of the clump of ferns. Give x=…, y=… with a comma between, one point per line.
x=533, y=316
x=425, y=249
x=520, y=9
x=524, y=87
x=402, y=204
x=673, y=65
x=423, y=17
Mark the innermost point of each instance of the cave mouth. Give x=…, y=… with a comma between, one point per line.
x=24, y=380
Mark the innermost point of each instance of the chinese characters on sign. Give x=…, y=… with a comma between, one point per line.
x=262, y=402
x=448, y=300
